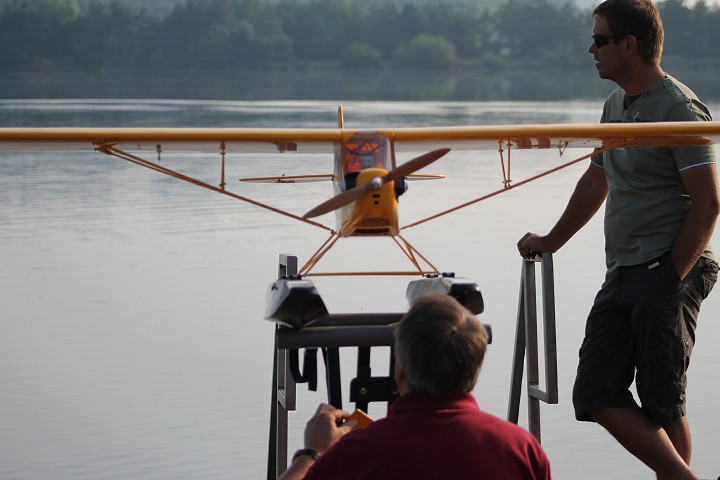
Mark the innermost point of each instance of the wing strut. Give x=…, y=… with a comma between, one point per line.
x=508, y=186
x=406, y=248
x=111, y=150
x=410, y=251
x=319, y=253
x=506, y=174
x=222, y=174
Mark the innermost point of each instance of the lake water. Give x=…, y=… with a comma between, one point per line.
x=132, y=343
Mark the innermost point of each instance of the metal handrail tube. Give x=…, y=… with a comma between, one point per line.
x=328, y=337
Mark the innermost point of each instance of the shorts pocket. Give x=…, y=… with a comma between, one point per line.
x=662, y=381
x=709, y=272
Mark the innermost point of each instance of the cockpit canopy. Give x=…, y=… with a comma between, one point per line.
x=360, y=153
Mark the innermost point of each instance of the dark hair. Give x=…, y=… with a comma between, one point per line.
x=639, y=18
x=440, y=346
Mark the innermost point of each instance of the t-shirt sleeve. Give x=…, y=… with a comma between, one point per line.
x=693, y=155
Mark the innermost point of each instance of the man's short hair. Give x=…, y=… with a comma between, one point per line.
x=440, y=346
x=639, y=18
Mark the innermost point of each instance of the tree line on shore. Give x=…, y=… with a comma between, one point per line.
x=236, y=34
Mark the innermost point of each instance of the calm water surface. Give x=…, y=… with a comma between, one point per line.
x=132, y=343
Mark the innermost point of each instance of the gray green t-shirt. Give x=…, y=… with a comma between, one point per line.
x=647, y=203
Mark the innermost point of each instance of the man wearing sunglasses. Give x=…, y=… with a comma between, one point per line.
x=661, y=205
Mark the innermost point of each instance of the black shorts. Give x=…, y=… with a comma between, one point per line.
x=642, y=327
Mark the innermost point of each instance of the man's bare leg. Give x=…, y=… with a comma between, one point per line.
x=679, y=433
x=647, y=441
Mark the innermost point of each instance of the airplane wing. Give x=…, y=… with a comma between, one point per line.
x=321, y=140
x=564, y=136
x=147, y=146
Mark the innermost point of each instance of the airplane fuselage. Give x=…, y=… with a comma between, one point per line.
x=359, y=160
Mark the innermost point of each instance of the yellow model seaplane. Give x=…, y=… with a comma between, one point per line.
x=367, y=179
x=367, y=184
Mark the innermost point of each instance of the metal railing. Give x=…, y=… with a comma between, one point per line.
x=526, y=343
x=283, y=391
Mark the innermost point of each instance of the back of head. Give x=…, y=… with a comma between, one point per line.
x=440, y=345
x=639, y=18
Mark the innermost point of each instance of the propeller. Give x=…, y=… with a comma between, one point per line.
x=376, y=183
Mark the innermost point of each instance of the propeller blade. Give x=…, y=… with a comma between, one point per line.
x=355, y=193
x=415, y=164
x=339, y=200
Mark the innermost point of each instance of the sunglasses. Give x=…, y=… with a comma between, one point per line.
x=602, y=40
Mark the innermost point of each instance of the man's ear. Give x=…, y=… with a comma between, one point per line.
x=631, y=44
x=399, y=372
x=399, y=378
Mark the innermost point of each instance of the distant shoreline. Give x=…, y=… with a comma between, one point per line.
x=330, y=83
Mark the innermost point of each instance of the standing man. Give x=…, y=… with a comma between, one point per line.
x=435, y=429
x=661, y=208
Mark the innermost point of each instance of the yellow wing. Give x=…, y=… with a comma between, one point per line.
x=310, y=140
x=146, y=146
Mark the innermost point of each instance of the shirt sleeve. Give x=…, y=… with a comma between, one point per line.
x=324, y=467
x=694, y=155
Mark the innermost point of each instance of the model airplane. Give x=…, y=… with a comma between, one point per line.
x=367, y=180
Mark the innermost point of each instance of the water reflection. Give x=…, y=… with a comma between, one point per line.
x=280, y=113
x=564, y=82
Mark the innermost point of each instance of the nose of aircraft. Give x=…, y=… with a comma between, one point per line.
x=353, y=194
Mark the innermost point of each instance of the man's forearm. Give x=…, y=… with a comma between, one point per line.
x=695, y=232
x=298, y=468
x=586, y=199
x=693, y=238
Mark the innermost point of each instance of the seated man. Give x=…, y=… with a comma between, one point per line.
x=435, y=429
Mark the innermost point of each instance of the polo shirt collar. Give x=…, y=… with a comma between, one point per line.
x=417, y=401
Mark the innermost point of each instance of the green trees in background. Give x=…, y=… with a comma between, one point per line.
x=262, y=33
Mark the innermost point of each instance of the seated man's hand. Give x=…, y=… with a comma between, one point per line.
x=321, y=431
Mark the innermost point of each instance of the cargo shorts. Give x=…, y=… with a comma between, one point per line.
x=641, y=327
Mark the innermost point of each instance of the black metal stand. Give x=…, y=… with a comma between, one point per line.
x=328, y=334
x=305, y=324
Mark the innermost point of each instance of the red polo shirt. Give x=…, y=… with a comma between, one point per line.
x=424, y=437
